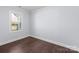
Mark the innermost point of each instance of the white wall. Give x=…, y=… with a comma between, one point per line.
x=57, y=23
x=5, y=33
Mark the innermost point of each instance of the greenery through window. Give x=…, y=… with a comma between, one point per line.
x=15, y=21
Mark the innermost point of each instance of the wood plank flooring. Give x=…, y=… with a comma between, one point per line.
x=33, y=45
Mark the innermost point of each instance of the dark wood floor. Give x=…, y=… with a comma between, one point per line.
x=33, y=45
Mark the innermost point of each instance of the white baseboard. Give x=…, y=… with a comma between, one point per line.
x=8, y=41
x=58, y=43
x=41, y=38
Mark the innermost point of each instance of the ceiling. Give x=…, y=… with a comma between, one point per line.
x=31, y=7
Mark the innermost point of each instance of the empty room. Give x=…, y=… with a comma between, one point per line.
x=39, y=29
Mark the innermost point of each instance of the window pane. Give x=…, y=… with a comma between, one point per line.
x=15, y=22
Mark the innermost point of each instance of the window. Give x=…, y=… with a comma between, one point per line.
x=15, y=21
